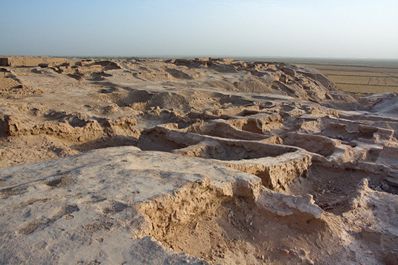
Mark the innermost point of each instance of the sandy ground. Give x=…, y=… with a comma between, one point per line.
x=213, y=161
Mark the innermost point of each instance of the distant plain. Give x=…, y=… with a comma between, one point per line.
x=357, y=76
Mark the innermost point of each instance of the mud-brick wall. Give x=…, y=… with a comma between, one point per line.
x=30, y=61
x=4, y=62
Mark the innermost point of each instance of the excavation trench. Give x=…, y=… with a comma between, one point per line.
x=221, y=228
x=276, y=165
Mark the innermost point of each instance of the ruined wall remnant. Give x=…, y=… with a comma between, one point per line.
x=4, y=62
x=30, y=61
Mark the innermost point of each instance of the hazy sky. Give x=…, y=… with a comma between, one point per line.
x=268, y=28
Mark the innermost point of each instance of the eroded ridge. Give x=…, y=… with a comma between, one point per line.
x=153, y=206
x=213, y=161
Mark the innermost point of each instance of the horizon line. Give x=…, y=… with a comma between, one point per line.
x=208, y=56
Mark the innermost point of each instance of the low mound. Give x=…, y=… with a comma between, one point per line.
x=167, y=100
x=387, y=104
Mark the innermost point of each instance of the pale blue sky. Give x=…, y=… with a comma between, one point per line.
x=264, y=28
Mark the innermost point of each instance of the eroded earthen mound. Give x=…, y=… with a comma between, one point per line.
x=225, y=162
